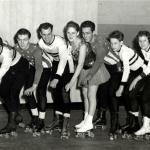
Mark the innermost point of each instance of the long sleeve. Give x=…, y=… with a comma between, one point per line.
x=62, y=58
x=6, y=62
x=126, y=70
x=38, y=66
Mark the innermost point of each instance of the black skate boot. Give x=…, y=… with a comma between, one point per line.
x=113, y=132
x=19, y=120
x=133, y=127
x=32, y=125
x=100, y=121
x=65, y=129
x=39, y=128
x=56, y=124
x=10, y=128
x=126, y=125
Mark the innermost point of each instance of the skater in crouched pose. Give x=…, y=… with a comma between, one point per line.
x=54, y=49
x=106, y=93
x=12, y=78
x=92, y=74
x=133, y=65
x=33, y=54
x=142, y=83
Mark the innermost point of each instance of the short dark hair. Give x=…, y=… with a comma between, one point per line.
x=70, y=24
x=23, y=31
x=88, y=24
x=117, y=35
x=143, y=33
x=45, y=26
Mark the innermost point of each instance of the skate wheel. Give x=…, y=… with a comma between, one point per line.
x=80, y=135
x=124, y=136
x=36, y=134
x=21, y=125
x=43, y=132
x=64, y=137
x=113, y=137
x=147, y=137
x=91, y=134
x=6, y=135
x=14, y=134
x=28, y=130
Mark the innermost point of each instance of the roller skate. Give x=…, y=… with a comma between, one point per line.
x=39, y=128
x=86, y=130
x=81, y=123
x=83, y=133
x=65, y=130
x=100, y=121
x=144, y=131
x=56, y=125
x=8, y=131
x=113, y=133
x=10, y=128
x=19, y=121
x=128, y=133
x=32, y=125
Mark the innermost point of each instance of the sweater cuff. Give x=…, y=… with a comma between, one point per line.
x=123, y=83
x=143, y=75
x=56, y=76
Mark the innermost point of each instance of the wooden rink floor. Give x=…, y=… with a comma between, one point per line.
x=25, y=141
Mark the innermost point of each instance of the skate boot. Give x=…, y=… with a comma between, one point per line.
x=82, y=122
x=56, y=125
x=79, y=125
x=19, y=120
x=100, y=121
x=126, y=125
x=113, y=133
x=32, y=125
x=10, y=128
x=65, y=129
x=39, y=128
x=133, y=127
x=144, y=131
x=86, y=130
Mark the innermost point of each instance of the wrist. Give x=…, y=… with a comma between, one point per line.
x=34, y=85
x=57, y=76
x=122, y=83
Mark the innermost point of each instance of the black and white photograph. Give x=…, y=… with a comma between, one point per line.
x=74, y=75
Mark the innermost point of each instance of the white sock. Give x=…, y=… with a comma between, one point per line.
x=42, y=115
x=67, y=115
x=89, y=119
x=34, y=112
x=135, y=113
x=58, y=113
x=85, y=115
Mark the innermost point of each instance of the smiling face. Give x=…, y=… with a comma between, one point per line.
x=115, y=44
x=23, y=41
x=72, y=34
x=47, y=35
x=144, y=42
x=87, y=34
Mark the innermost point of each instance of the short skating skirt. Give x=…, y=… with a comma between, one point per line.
x=101, y=76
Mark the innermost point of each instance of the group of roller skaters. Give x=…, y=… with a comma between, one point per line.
x=95, y=63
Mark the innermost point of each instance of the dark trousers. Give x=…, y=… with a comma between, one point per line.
x=130, y=101
x=107, y=91
x=61, y=98
x=41, y=89
x=12, y=84
x=142, y=87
